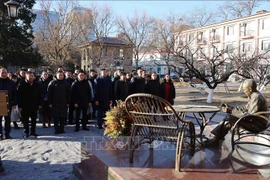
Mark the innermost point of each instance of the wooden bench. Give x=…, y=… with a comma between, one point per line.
x=155, y=119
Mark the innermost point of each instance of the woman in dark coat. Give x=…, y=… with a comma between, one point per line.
x=45, y=111
x=58, y=98
x=167, y=89
x=153, y=86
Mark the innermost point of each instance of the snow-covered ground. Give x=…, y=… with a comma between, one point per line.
x=47, y=157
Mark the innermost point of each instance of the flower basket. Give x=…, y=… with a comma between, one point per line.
x=118, y=122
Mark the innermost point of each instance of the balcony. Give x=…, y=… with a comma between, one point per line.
x=215, y=39
x=202, y=42
x=248, y=34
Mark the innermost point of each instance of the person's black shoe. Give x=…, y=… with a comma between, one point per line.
x=1, y=138
x=76, y=130
x=62, y=132
x=85, y=128
x=33, y=134
x=56, y=132
x=2, y=169
x=25, y=136
x=8, y=137
x=212, y=142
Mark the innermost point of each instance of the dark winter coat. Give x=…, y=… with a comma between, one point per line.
x=58, y=97
x=9, y=85
x=171, y=93
x=103, y=92
x=153, y=87
x=137, y=85
x=44, y=94
x=29, y=96
x=69, y=81
x=81, y=93
x=121, y=90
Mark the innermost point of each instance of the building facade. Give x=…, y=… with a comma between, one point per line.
x=155, y=61
x=248, y=36
x=111, y=53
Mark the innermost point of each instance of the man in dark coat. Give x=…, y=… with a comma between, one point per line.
x=103, y=96
x=45, y=111
x=121, y=88
x=92, y=77
x=29, y=101
x=116, y=77
x=58, y=98
x=137, y=84
x=153, y=86
x=70, y=80
x=10, y=87
x=81, y=98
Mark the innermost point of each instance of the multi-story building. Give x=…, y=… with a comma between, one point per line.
x=80, y=24
x=246, y=37
x=155, y=61
x=111, y=53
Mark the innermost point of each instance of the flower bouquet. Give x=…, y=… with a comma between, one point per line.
x=118, y=121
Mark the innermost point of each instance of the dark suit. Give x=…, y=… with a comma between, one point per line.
x=103, y=94
x=29, y=99
x=81, y=95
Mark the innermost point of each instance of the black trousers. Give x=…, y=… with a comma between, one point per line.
x=70, y=114
x=84, y=118
x=100, y=116
x=7, y=125
x=59, y=124
x=25, y=117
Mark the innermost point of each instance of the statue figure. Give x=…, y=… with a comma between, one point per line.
x=257, y=102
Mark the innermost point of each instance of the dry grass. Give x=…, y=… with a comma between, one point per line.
x=189, y=95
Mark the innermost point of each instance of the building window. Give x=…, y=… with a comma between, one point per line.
x=265, y=45
x=121, y=53
x=230, y=30
x=265, y=24
x=84, y=54
x=158, y=70
x=247, y=47
x=229, y=48
x=191, y=37
x=104, y=51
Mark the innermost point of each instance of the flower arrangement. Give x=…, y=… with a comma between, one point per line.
x=118, y=121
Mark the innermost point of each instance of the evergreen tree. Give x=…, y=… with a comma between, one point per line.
x=16, y=37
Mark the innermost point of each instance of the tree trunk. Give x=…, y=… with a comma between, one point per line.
x=210, y=96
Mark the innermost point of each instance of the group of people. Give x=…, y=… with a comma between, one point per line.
x=57, y=97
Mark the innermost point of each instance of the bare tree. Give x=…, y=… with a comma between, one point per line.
x=137, y=31
x=256, y=67
x=237, y=9
x=165, y=34
x=101, y=27
x=53, y=37
x=200, y=16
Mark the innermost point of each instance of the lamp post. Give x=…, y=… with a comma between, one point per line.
x=13, y=8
